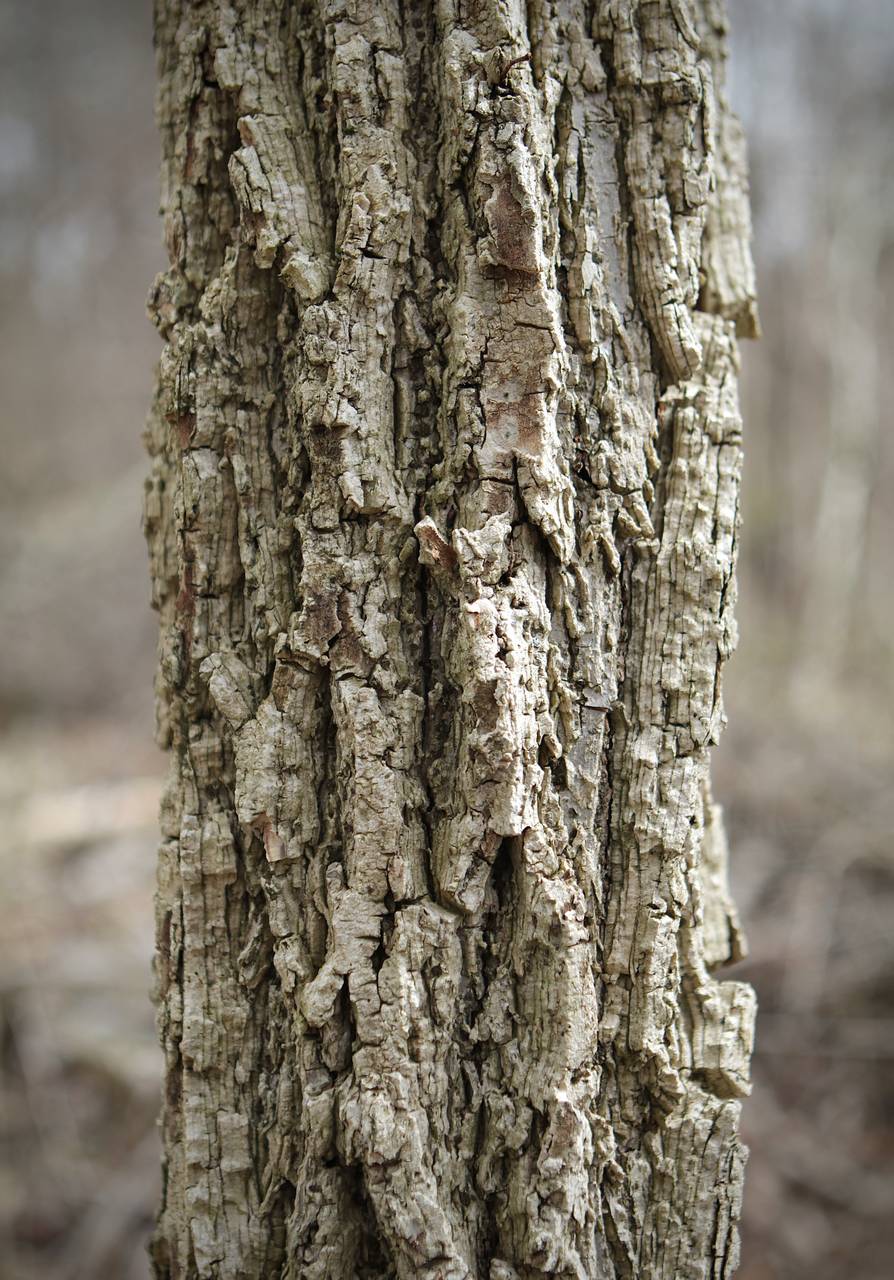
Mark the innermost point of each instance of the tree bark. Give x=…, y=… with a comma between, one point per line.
x=442, y=520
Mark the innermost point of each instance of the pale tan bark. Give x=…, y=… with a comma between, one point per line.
x=442, y=521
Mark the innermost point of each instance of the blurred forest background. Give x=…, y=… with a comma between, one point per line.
x=804, y=770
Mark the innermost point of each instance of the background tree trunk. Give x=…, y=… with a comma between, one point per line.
x=442, y=521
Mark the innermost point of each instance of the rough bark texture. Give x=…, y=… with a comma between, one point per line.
x=442, y=522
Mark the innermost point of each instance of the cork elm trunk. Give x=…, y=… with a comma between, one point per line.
x=442, y=520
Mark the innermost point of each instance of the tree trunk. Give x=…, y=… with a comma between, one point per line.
x=442, y=523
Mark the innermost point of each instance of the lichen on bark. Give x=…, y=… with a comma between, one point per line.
x=442, y=520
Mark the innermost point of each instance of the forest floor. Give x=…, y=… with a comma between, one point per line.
x=79, y=1082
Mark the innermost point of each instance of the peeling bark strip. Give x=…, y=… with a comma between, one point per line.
x=442, y=520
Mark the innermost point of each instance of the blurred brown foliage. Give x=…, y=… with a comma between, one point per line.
x=805, y=767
